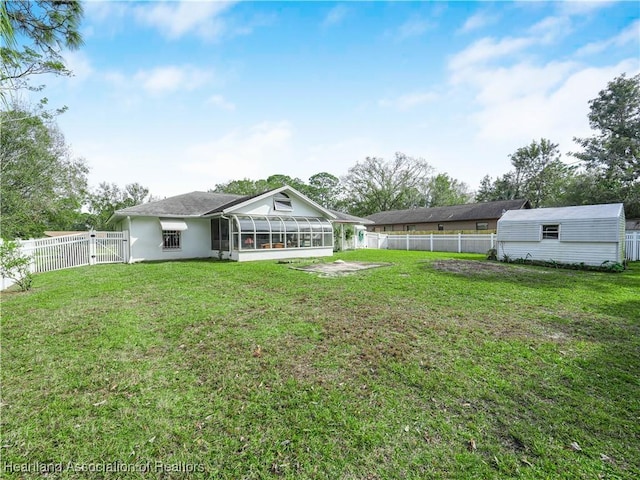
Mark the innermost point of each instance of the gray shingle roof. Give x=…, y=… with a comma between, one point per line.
x=185, y=205
x=469, y=211
x=346, y=218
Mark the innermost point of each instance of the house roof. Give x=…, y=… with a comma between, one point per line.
x=469, y=211
x=346, y=218
x=198, y=204
x=194, y=204
x=609, y=210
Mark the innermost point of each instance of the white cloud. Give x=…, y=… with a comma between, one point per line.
x=585, y=7
x=410, y=100
x=414, y=27
x=175, y=19
x=477, y=21
x=255, y=152
x=551, y=29
x=628, y=35
x=221, y=102
x=172, y=78
x=335, y=16
x=79, y=64
x=488, y=49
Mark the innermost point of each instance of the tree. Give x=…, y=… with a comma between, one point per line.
x=41, y=187
x=444, y=190
x=612, y=154
x=109, y=197
x=538, y=175
x=376, y=185
x=324, y=189
x=49, y=26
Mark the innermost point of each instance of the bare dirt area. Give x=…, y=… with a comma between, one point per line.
x=339, y=267
x=471, y=267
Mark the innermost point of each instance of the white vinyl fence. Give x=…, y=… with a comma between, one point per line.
x=460, y=242
x=632, y=246
x=466, y=243
x=67, y=251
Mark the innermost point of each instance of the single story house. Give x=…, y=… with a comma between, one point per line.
x=589, y=234
x=280, y=223
x=633, y=224
x=470, y=216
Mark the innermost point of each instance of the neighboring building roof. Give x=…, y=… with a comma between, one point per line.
x=346, y=218
x=56, y=233
x=633, y=224
x=609, y=210
x=469, y=211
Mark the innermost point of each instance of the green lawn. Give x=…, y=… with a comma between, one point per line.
x=428, y=368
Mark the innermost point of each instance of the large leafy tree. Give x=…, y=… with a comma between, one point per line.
x=443, y=190
x=108, y=198
x=33, y=34
x=612, y=154
x=377, y=185
x=41, y=185
x=538, y=175
x=325, y=190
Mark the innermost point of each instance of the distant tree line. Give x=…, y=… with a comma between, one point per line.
x=43, y=187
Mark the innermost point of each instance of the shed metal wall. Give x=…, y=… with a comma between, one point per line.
x=561, y=252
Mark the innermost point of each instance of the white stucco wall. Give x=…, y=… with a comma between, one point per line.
x=146, y=240
x=265, y=207
x=279, y=253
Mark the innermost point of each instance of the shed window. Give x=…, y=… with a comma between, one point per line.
x=482, y=226
x=550, y=232
x=171, y=239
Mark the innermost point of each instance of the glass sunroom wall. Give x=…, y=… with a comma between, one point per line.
x=247, y=232
x=305, y=232
x=263, y=232
x=292, y=232
x=327, y=233
x=316, y=232
x=277, y=231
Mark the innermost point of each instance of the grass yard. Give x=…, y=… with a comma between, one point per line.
x=429, y=368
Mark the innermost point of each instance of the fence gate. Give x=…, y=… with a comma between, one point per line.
x=108, y=247
x=67, y=251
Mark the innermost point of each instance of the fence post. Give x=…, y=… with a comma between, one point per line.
x=492, y=244
x=407, y=241
x=431, y=242
x=459, y=242
x=92, y=247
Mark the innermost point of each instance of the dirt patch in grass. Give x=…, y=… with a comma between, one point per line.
x=339, y=267
x=471, y=267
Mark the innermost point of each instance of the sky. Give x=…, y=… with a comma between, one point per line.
x=182, y=95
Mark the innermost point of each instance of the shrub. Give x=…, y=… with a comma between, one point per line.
x=15, y=265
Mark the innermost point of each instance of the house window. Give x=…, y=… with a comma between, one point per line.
x=282, y=203
x=550, y=232
x=440, y=227
x=171, y=239
x=253, y=232
x=388, y=228
x=411, y=228
x=482, y=225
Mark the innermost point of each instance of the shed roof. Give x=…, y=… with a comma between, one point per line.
x=608, y=210
x=469, y=211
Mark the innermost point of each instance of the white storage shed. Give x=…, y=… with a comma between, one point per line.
x=589, y=234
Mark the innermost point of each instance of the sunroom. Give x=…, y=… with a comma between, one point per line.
x=252, y=237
